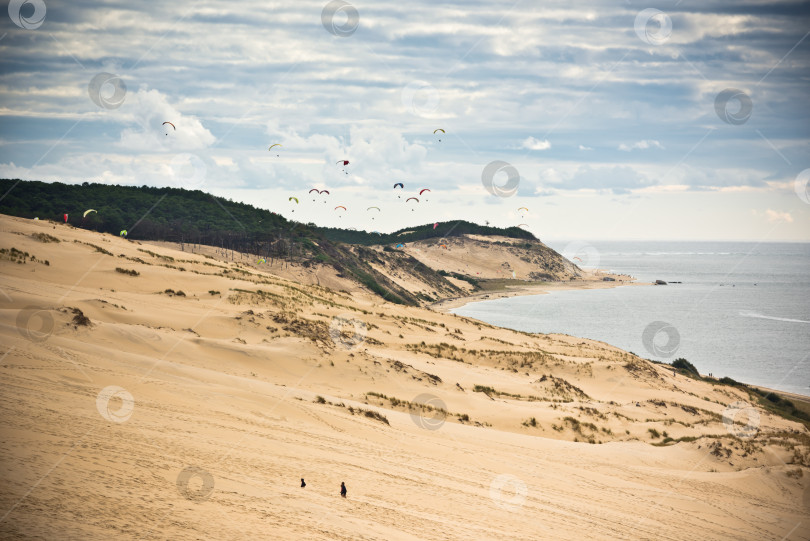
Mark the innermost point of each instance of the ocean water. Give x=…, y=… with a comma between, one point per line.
x=742, y=309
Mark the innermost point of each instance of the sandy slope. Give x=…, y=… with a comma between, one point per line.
x=226, y=384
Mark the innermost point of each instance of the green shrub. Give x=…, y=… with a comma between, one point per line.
x=683, y=364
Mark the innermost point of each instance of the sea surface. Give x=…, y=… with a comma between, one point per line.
x=742, y=309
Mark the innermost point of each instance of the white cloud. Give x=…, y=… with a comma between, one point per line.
x=149, y=109
x=641, y=145
x=775, y=216
x=534, y=144
x=583, y=147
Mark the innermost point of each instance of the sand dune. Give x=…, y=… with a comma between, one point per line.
x=194, y=415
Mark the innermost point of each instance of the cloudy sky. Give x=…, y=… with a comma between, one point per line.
x=607, y=120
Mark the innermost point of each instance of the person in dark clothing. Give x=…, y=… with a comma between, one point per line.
x=303, y=484
x=342, y=489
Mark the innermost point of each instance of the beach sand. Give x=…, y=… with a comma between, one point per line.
x=194, y=415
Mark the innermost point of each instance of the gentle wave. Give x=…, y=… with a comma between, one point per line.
x=749, y=313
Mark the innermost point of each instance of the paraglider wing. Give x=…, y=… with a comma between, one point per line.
x=123, y=233
x=325, y=191
x=369, y=208
x=439, y=129
x=415, y=199
x=522, y=225
x=340, y=207
x=262, y=260
x=435, y=225
x=578, y=259
x=293, y=199
x=170, y=124
x=523, y=208
x=275, y=145
x=423, y=190
x=343, y=162
x=88, y=211
x=400, y=246
x=314, y=190
x=401, y=185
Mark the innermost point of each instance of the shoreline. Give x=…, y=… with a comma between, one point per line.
x=541, y=288
x=445, y=305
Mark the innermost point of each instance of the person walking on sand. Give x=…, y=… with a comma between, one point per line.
x=303, y=484
x=342, y=489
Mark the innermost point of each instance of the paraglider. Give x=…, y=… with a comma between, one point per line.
x=88, y=211
x=343, y=162
x=314, y=190
x=415, y=199
x=578, y=259
x=401, y=185
x=293, y=199
x=523, y=213
x=378, y=210
x=524, y=225
x=435, y=225
x=400, y=245
x=262, y=260
x=438, y=129
x=340, y=207
x=275, y=145
x=123, y=233
x=170, y=124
